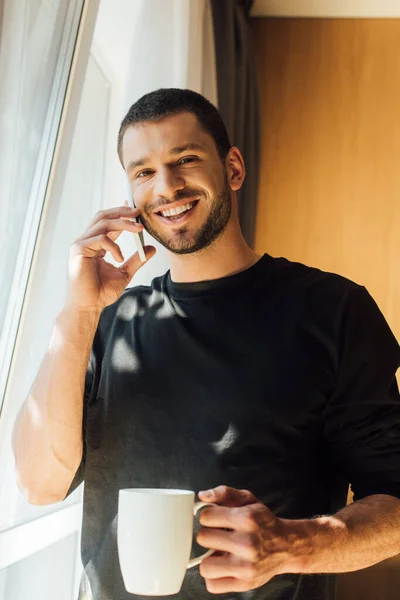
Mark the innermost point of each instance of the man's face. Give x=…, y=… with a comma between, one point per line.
x=178, y=182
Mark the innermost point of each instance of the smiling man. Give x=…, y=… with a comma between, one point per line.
x=177, y=166
x=191, y=176
x=268, y=383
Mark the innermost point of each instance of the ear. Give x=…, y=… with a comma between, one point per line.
x=235, y=168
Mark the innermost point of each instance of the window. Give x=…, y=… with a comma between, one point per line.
x=53, y=207
x=65, y=218
x=47, y=575
x=37, y=42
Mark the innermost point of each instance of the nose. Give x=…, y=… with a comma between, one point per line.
x=168, y=182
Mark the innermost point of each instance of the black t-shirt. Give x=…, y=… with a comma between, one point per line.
x=279, y=379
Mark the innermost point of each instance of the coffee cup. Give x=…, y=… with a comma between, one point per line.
x=155, y=534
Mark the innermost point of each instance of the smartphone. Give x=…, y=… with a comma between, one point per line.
x=138, y=237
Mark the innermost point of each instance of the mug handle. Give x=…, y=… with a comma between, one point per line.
x=196, y=561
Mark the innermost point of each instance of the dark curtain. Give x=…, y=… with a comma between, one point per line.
x=238, y=97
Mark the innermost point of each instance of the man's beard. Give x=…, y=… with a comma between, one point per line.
x=185, y=242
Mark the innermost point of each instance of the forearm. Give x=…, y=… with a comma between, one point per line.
x=358, y=536
x=47, y=438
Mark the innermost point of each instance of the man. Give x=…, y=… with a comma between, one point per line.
x=267, y=382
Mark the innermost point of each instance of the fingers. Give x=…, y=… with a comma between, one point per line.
x=106, y=227
x=239, y=544
x=228, y=496
x=116, y=212
x=114, y=235
x=96, y=247
x=246, y=530
x=226, y=584
x=237, y=518
x=216, y=567
x=111, y=225
x=230, y=574
x=134, y=263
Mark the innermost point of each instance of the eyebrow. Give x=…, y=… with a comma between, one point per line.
x=186, y=147
x=141, y=162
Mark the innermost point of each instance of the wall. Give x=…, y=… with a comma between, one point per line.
x=329, y=191
x=326, y=8
x=330, y=177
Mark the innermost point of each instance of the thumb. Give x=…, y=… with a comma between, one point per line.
x=228, y=496
x=134, y=262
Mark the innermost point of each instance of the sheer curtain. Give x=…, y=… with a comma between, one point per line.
x=66, y=217
x=30, y=43
x=30, y=47
x=173, y=46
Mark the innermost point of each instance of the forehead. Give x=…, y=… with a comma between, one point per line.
x=159, y=137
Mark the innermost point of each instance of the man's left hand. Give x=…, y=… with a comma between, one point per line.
x=251, y=542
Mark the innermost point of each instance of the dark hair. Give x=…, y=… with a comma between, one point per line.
x=169, y=101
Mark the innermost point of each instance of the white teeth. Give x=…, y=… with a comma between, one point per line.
x=176, y=211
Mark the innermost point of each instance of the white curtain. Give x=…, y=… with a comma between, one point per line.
x=172, y=46
x=29, y=48
x=67, y=216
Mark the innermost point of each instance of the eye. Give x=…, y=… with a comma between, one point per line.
x=144, y=173
x=187, y=159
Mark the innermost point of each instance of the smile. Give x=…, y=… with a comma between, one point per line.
x=178, y=213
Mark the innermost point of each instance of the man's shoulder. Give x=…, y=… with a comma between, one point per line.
x=300, y=274
x=305, y=283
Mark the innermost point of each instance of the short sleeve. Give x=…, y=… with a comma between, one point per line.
x=362, y=416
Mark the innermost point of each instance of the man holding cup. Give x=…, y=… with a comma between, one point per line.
x=272, y=378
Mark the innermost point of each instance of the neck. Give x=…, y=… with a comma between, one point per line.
x=227, y=255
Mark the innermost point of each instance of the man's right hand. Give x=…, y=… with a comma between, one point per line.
x=94, y=283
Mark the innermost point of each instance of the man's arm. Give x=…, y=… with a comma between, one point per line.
x=358, y=536
x=47, y=438
x=259, y=545
x=361, y=423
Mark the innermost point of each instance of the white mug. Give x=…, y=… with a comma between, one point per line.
x=155, y=533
